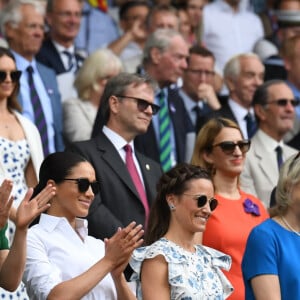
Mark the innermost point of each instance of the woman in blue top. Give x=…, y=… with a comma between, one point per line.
x=173, y=266
x=271, y=261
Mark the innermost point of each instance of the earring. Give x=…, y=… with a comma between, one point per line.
x=172, y=206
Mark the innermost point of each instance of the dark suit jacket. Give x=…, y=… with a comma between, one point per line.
x=224, y=112
x=118, y=202
x=50, y=83
x=146, y=143
x=49, y=56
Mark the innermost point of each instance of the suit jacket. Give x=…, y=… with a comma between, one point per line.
x=146, y=143
x=49, y=80
x=49, y=56
x=260, y=174
x=118, y=202
x=224, y=112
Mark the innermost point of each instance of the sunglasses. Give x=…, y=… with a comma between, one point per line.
x=84, y=184
x=284, y=102
x=228, y=147
x=14, y=75
x=142, y=104
x=202, y=200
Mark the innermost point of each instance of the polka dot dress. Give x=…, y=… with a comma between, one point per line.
x=14, y=157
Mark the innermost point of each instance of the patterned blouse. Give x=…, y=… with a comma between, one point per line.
x=191, y=275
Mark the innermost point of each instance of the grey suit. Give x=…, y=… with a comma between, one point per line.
x=260, y=173
x=118, y=202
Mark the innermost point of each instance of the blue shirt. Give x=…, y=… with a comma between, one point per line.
x=27, y=109
x=272, y=249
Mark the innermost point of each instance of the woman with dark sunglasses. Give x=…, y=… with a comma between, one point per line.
x=172, y=266
x=21, y=150
x=63, y=262
x=271, y=261
x=221, y=149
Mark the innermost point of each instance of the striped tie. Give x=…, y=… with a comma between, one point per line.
x=164, y=134
x=39, y=117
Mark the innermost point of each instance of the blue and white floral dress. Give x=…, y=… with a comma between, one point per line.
x=192, y=276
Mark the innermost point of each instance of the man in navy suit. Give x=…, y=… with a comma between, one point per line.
x=58, y=50
x=164, y=59
x=127, y=108
x=25, y=36
x=197, y=91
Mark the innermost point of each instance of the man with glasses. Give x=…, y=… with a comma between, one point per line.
x=274, y=106
x=127, y=178
x=197, y=92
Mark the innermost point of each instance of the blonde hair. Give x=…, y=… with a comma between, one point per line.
x=206, y=138
x=97, y=65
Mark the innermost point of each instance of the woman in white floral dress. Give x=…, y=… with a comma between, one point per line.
x=172, y=266
x=20, y=147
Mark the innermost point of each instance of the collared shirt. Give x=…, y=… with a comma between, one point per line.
x=227, y=33
x=190, y=104
x=56, y=253
x=119, y=143
x=240, y=113
x=64, y=57
x=155, y=122
x=296, y=93
x=22, y=65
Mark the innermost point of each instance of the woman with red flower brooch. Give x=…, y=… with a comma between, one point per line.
x=220, y=148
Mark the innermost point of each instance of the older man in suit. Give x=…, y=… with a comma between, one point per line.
x=22, y=23
x=274, y=106
x=127, y=109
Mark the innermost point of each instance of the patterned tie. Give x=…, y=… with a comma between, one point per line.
x=70, y=60
x=251, y=125
x=279, y=157
x=136, y=180
x=39, y=117
x=164, y=134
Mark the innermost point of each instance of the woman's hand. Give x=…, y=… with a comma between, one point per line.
x=6, y=201
x=28, y=209
x=119, y=247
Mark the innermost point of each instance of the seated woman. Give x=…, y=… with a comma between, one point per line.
x=63, y=262
x=171, y=266
x=12, y=262
x=271, y=261
x=220, y=148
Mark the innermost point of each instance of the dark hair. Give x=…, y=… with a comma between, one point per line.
x=118, y=85
x=130, y=4
x=12, y=102
x=174, y=182
x=199, y=50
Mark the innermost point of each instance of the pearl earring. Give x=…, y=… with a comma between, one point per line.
x=172, y=206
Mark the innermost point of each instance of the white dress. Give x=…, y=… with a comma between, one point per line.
x=191, y=275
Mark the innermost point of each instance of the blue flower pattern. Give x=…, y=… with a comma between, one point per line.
x=192, y=276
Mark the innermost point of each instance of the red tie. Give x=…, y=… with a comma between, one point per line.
x=136, y=180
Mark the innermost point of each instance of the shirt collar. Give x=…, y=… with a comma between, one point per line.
x=22, y=63
x=269, y=143
x=61, y=48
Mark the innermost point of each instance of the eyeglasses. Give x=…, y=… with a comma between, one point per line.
x=84, y=184
x=14, y=75
x=201, y=72
x=228, y=147
x=142, y=104
x=283, y=102
x=202, y=200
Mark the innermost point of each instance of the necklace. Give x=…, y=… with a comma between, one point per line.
x=289, y=226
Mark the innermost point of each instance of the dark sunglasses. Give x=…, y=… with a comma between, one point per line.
x=284, y=102
x=14, y=75
x=84, y=184
x=228, y=147
x=202, y=200
x=142, y=104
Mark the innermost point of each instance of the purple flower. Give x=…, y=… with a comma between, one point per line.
x=251, y=208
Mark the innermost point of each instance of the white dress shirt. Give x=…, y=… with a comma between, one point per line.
x=227, y=33
x=56, y=253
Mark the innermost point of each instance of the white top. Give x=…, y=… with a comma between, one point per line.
x=227, y=33
x=56, y=253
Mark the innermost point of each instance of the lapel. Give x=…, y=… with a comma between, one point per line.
x=112, y=158
x=266, y=164
x=54, y=57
